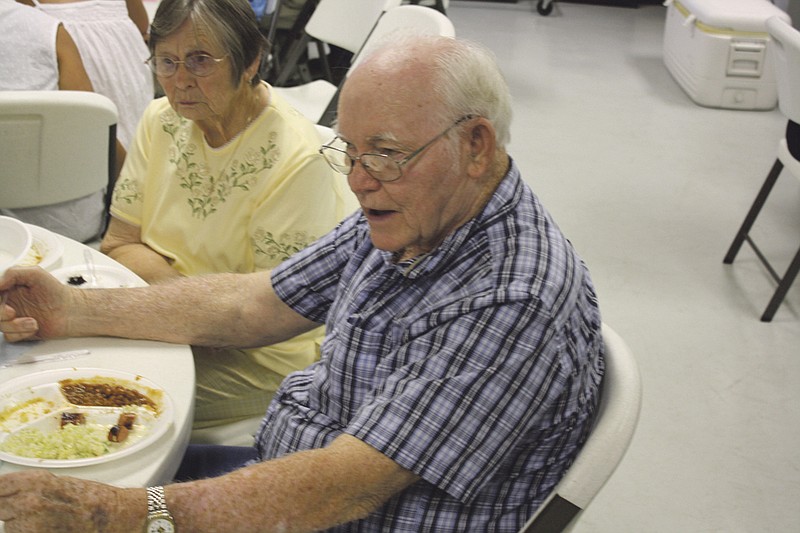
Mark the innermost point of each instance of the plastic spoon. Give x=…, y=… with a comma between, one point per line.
x=87, y=255
x=27, y=359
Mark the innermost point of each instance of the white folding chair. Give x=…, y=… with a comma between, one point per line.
x=785, y=47
x=617, y=416
x=317, y=99
x=342, y=23
x=326, y=134
x=419, y=20
x=55, y=146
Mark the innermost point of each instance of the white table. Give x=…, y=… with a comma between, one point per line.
x=169, y=365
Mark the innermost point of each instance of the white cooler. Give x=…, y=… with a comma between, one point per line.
x=717, y=51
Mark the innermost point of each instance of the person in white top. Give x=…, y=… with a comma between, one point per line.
x=46, y=58
x=113, y=50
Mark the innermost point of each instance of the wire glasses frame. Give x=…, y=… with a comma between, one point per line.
x=201, y=65
x=380, y=166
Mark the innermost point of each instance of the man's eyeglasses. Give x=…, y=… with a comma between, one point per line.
x=380, y=166
x=198, y=64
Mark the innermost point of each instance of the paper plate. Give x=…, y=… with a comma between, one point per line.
x=35, y=402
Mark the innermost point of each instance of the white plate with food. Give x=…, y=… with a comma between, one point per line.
x=45, y=251
x=108, y=277
x=72, y=417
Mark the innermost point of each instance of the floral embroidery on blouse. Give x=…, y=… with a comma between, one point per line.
x=127, y=190
x=280, y=248
x=206, y=190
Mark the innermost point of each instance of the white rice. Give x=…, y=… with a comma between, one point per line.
x=70, y=442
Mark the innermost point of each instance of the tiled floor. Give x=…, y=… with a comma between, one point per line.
x=650, y=188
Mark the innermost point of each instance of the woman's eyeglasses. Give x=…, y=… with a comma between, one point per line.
x=198, y=64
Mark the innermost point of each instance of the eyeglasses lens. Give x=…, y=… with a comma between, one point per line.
x=338, y=159
x=201, y=65
x=379, y=166
x=198, y=65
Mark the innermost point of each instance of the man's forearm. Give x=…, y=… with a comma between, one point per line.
x=305, y=491
x=217, y=310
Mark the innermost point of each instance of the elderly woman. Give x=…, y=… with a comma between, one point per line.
x=223, y=176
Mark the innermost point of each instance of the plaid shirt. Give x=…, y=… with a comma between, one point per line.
x=475, y=366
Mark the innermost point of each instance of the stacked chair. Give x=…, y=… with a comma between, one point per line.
x=342, y=23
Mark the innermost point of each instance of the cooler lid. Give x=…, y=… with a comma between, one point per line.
x=735, y=15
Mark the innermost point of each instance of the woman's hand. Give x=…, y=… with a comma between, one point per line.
x=37, y=306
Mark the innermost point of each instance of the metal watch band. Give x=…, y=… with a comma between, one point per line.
x=156, y=503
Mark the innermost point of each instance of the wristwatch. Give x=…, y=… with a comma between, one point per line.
x=159, y=519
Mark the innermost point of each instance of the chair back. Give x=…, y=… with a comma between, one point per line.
x=346, y=23
x=326, y=134
x=785, y=47
x=55, y=146
x=617, y=416
x=406, y=18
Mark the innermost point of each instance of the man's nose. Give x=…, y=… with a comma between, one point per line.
x=360, y=180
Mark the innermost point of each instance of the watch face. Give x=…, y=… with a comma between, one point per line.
x=160, y=525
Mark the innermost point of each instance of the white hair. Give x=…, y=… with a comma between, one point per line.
x=465, y=76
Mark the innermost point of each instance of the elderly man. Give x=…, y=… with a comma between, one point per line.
x=463, y=357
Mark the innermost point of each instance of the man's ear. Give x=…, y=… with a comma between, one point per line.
x=482, y=145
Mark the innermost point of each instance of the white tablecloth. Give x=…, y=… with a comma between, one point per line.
x=168, y=365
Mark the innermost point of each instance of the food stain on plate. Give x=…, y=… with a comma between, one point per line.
x=45, y=251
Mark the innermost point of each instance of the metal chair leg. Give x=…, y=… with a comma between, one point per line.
x=750, y=219
x=329, y=115
x=785, y=281
x=783, y=288
x=296, y=50
x=298, y=46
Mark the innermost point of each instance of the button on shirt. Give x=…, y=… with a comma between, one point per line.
x=475, y=366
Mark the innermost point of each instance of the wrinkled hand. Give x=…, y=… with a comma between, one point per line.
x=37, y=305
x=38, y=501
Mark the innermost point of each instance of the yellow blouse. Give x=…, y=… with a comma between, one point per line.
x=243, y=207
